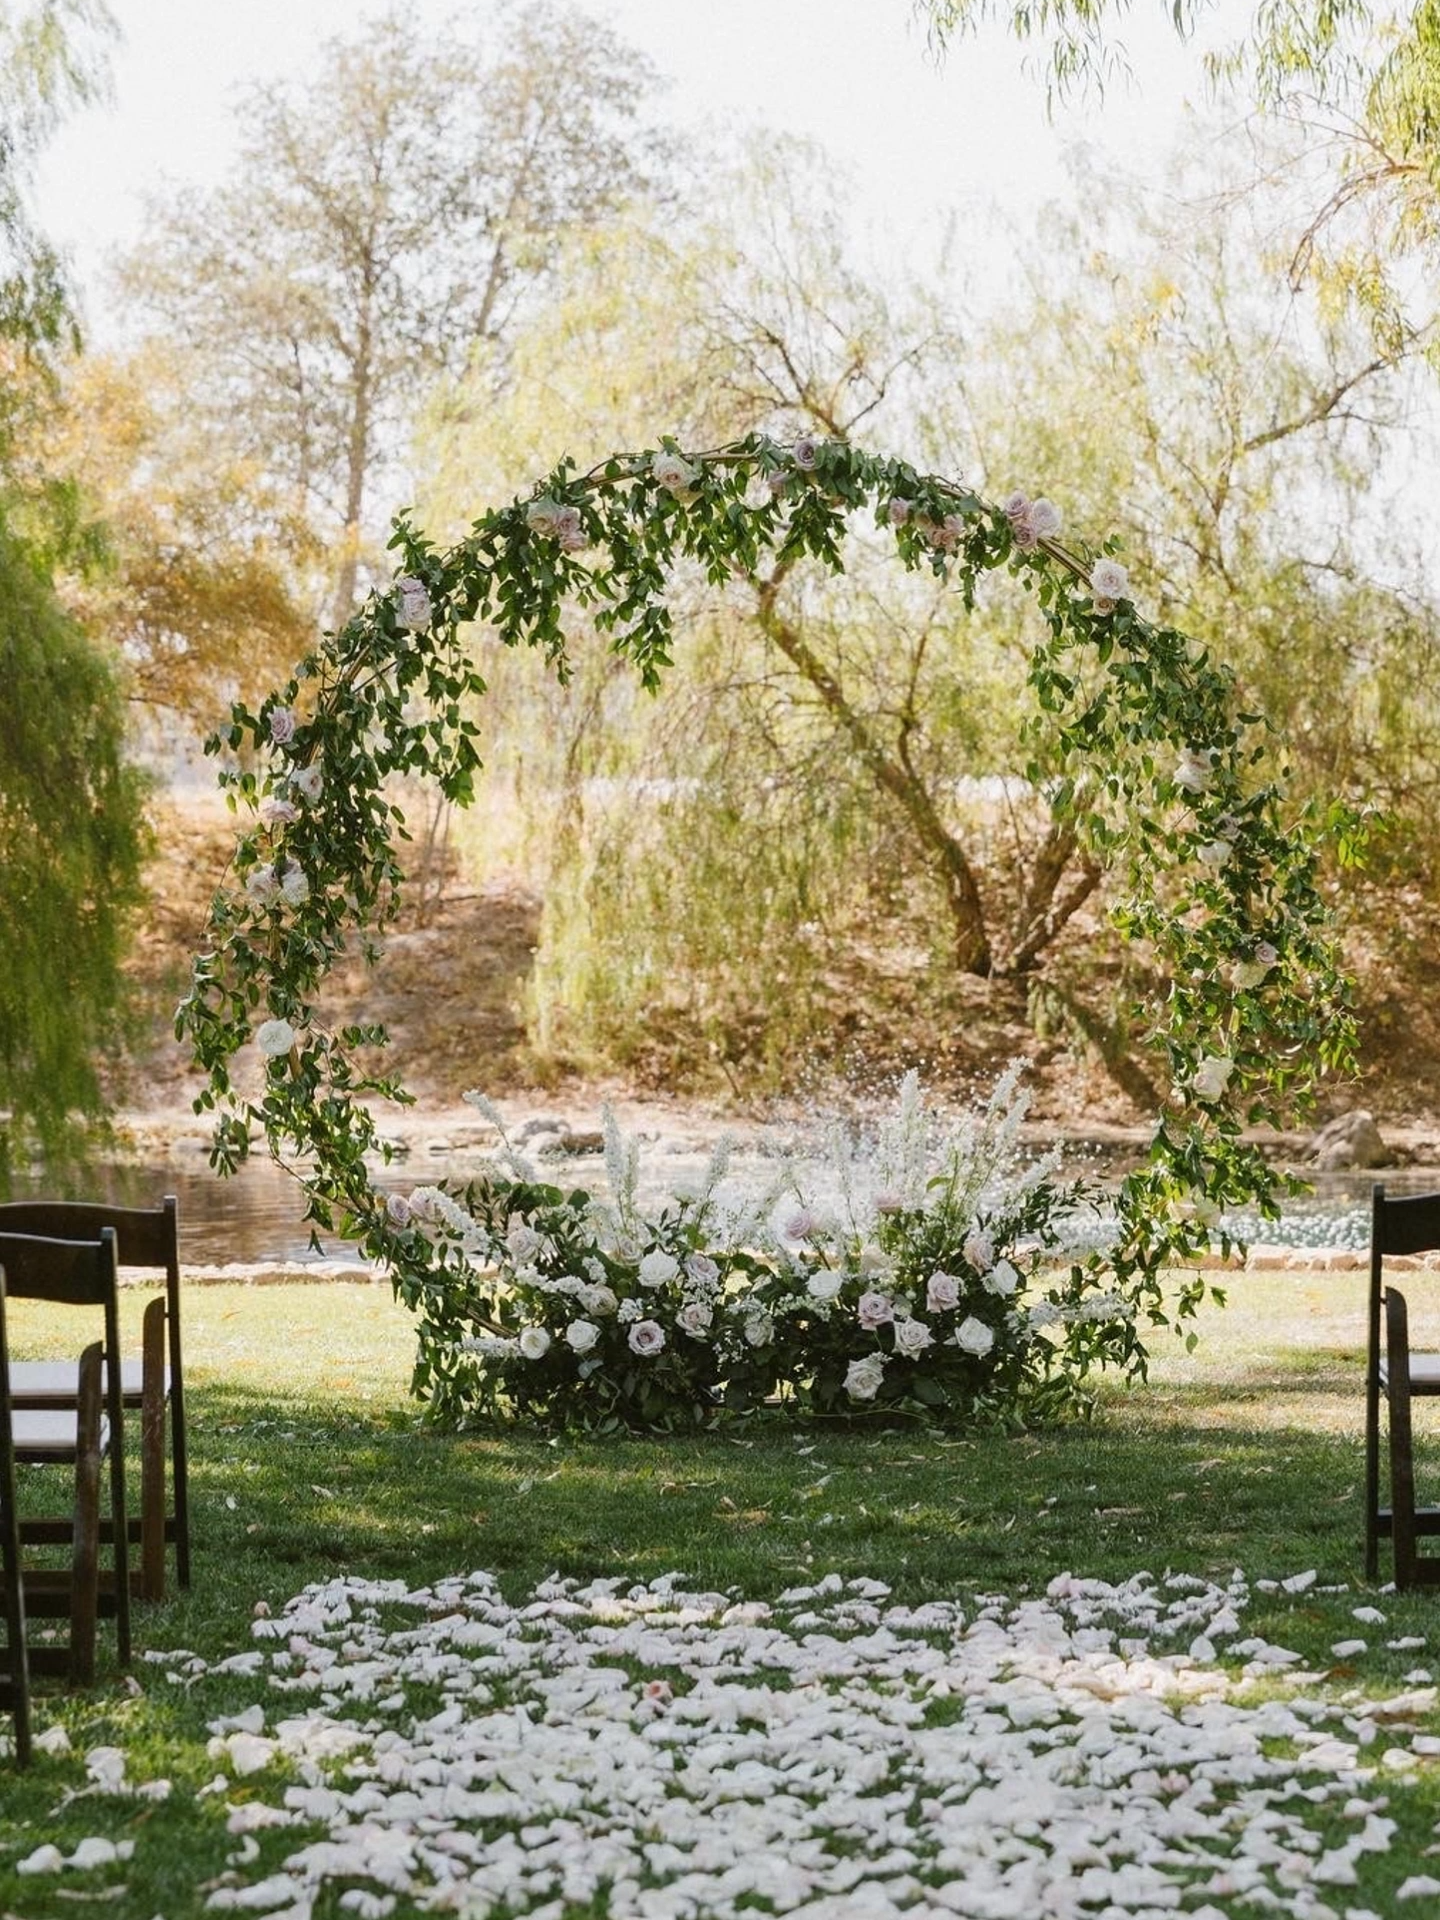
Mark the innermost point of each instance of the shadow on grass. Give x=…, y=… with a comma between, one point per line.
x=288, y=1490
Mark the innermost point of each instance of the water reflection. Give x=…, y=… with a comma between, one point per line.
x=258, y=1215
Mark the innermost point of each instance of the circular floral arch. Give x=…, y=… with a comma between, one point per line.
x=1169, y=784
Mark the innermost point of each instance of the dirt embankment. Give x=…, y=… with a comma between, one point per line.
x=451, y=987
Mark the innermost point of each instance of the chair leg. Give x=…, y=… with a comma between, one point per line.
x=85, y=1552
x=1402, y=1458
x=179, y=1452
x=1372, y=1472
x=152, y=1454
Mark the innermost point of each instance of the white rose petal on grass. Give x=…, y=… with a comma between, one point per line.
x=275, y=1038
x=973, y=1336
x=534, y=1342
x=646, y=1337
x=46, y=1859
x=1346, y=1649
x=582, y=1335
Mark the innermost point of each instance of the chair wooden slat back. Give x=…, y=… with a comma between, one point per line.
x=15, y=1674
x=1405, y=1224
x=81, y=1273
x=149, y=1241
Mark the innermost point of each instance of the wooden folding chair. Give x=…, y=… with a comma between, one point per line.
x=1399, y=1226
x=149, y=1242
x=1408, y=1523
x=15, y=1672
x=76, y=1273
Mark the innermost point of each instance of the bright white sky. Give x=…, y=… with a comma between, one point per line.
x=854, y=74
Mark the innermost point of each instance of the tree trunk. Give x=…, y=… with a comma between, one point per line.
x=357, y=460
x=967, y=914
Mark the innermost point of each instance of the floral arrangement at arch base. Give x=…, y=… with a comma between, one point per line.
x=931, y=1271
x=1166, y=780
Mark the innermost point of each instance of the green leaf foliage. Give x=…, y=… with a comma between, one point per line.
x=1168, y=784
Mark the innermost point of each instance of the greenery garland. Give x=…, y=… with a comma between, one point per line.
x=1169, y=784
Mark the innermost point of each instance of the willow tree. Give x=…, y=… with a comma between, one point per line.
x=69, y=804
x=1169, y=782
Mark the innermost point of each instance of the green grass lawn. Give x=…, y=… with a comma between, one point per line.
x=308, y=1459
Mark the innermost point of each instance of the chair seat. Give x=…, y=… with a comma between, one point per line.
x=52, y=1434
x=1424, y=1372
x=44, y=1383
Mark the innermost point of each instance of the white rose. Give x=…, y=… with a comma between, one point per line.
x=658, y=1269
x=582, y=1335
x=295, y=887
x=973, y=1336
x=414, y=607
x=942, y=1292
x=1215, y=852
x=599, y=1299
x=1212, y=1077
x=695, y=1317
x=824, y=1285
x=646, y=1337
x=261, y=885
x=677, y=476
x=1195, y=769
x=1109, y=582
x=805, y=452
x=282, y=726
x=874, y=1310
x=899, y=511
x=275, y=1038
x=1046, y=520
x=542, y=516
x=309, y=782
x=912, y=1337
x=1002, y=1278
x=534, y=1342
x=702, y=1270
x=397, y=1210
x=522, y=1242
x=863, y=1377
x=570, y=530
x=279, y=813
x=759, y=1329
x=979, y=1250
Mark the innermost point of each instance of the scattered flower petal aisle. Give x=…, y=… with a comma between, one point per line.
x=650, y=1752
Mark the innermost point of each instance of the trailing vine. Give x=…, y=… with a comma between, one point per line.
x=1165, y=781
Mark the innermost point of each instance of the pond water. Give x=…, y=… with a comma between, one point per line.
x=258, y=1216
